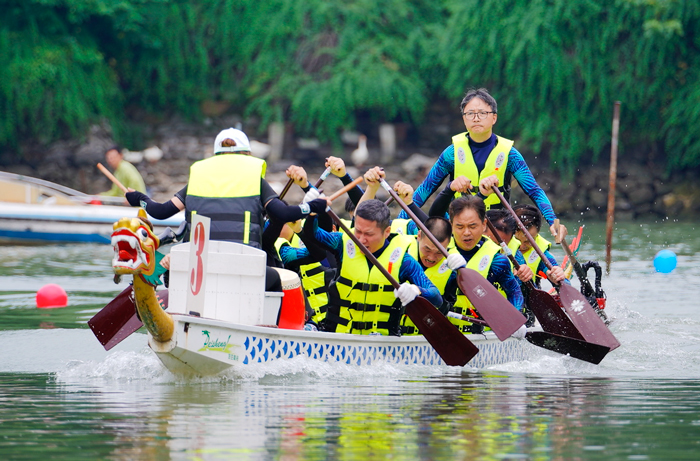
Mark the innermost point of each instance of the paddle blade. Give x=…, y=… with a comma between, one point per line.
x=502, y=317
x=586, y=320
x=576, y=348
x=118, y=319
x=550, y=315
x=451, y=345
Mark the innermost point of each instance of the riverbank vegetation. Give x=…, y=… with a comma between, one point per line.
x=555, y=66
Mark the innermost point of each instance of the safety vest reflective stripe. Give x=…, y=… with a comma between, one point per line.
x=480, y=262
x=496, y=164
x=367, y=301
x=226, y=189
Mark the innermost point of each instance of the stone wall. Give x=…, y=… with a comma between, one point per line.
x=643, y=191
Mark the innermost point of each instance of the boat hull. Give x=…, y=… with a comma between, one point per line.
x=203, y=346
x=36, y=224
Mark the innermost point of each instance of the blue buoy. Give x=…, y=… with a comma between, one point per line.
x=665, y=261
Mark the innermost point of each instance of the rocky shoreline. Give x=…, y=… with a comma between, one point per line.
x=643, y=191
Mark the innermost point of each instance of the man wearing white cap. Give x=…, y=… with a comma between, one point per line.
x=229, y=188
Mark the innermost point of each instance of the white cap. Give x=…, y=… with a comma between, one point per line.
x=239, y=137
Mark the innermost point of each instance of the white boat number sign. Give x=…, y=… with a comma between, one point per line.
x=199, y=248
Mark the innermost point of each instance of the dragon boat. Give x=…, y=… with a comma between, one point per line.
x=233, y=322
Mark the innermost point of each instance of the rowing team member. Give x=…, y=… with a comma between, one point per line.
x=230, y=187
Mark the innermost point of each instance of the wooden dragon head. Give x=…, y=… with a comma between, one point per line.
x=134, y=246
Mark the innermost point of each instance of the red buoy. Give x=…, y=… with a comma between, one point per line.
x=51, y=296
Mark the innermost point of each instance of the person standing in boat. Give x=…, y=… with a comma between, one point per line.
x=478, y=159
x=124, y=171
x=230, y=188
x=363, y=301
x=476, y=251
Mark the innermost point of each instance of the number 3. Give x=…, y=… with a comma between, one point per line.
x=197, y=273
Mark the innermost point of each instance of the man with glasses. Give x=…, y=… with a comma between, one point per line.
x=479, y=159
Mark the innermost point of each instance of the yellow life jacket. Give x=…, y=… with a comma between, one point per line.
x=480, y=262
x=496, y=164
x=347, y=222
x=532, y=259
x=400, y=226
x=513, y=246
x=439, y=274
x=315, y=279
x=226, y=188
x=367, y=303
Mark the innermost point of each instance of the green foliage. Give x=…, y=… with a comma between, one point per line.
x=555, y=66
x=54, y=80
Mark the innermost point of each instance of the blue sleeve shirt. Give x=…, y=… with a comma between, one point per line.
x=517, y=168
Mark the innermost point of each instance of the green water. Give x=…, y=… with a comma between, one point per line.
x=63, y=397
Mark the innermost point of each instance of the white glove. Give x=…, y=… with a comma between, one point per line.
x=312, y=194
x=455, y=261
x=519, y=333
x=406, y=293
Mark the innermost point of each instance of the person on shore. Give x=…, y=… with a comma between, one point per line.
x=532, y=220
x=230, y=188
x=125, y=172
x=363, y=301
x=476, y=251
x=478, y=159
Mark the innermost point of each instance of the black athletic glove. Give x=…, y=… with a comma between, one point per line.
x=318, y=205
x=135, y=198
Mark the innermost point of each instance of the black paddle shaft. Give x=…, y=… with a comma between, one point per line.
x=451, y=345
x=287, y=186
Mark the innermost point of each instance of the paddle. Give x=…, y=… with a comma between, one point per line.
x=286, y=188
x=118, y=319
x=111, y=177
x=503, y=318
x=451, y=345
x=550, y=315
x=582, y=315
x=322, y=178
x=576, y=348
